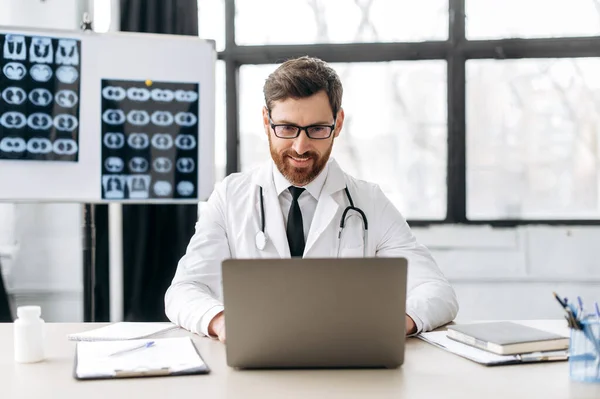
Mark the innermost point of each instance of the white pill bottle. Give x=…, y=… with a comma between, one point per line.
x=29, y=335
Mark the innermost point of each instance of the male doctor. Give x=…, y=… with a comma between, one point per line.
x=303, y=195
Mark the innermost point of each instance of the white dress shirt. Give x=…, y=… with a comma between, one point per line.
x=307, y=200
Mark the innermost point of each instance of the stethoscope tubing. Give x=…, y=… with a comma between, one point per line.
x=261, y=236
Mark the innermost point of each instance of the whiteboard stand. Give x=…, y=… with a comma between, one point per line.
x=170, y=63
x=115, y=263
x=89, y=238
x=89, y=263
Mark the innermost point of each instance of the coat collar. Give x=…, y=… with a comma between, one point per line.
x=327, y=206
x=335, y=180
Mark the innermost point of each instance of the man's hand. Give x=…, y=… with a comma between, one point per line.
x=411, y=327
x=216, y=327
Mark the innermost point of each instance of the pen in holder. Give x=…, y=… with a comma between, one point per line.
x=584, y=344
x=584, y=351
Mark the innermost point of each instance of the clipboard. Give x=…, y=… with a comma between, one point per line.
x=439, y=339
x=120, y=359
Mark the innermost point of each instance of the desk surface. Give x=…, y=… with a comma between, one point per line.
x=428, y=372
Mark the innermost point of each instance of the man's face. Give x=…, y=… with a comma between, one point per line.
x=301, y=159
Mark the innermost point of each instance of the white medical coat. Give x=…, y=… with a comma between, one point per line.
x=230, y=219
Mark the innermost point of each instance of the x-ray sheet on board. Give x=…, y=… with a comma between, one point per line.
x=39, y=98
x=149, y=140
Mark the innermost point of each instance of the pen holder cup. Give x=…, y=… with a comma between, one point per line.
x=584, y=352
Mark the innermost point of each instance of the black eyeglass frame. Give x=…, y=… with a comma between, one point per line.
x=301, y=128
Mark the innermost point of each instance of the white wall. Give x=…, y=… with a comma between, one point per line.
x=512, y=272
x=7, y=237
x=51, y=14
x=41, y=243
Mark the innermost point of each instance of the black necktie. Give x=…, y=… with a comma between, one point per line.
x=295, y=228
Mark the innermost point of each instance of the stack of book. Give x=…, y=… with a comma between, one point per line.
x=503, y=342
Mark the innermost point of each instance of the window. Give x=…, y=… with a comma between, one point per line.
x=211, y=21
x=102, y=18
x=261, y=22
x=523, y=128
x=395, y=131
x=220, y=123
x=533, y=130
x=494, y=19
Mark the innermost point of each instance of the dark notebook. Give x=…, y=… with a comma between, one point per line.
x=507, y=338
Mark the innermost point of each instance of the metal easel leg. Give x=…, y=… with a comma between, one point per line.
x=89, y=263
x=115, y=250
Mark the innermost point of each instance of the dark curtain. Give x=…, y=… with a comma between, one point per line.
x=101, y=288
x=154, y=236
x=178, y=17
x=5, y=314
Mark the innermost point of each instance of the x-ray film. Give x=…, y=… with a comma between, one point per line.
x=14, y=95
x=150, y=136
x=39, y=98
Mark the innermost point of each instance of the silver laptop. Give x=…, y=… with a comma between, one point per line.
x=315, y=313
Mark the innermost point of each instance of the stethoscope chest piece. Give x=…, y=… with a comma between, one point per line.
x=261, y=240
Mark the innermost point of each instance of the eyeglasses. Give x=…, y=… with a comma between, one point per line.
x=315, y=132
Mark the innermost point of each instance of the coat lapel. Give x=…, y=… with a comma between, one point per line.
x=327, y=206
x=274, y=225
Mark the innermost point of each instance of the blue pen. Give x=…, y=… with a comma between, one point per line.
x=580, y=301
x=587, y=329
x=138, y=347
x=597, y=310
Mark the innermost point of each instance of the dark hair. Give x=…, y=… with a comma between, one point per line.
x=302, y=77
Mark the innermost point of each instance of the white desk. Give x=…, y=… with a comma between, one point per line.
x=428, y=373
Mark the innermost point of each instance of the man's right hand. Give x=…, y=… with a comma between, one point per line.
x=216, y=327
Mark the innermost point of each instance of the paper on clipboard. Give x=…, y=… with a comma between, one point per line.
x=168, y=356
x=439, y=339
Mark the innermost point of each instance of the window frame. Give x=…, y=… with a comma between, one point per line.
x=456, y=50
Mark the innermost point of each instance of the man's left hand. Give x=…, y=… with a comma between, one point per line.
x=411, y=327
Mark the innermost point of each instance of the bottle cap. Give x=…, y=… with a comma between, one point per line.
x=29, y=312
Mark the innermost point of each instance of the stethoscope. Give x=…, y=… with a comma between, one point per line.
x=261, y=236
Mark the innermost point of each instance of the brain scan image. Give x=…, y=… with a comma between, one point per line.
x=13, y=145
x=113, y=117
x=14, y=95
x=66, y=98
x=40, y=50
x=39, y=121
x=67, y=52
x=14, y=48
x=14, y=71
x=186, y=96
x=67, y=74
x=138, y=117
x=114, y=93
x=162, y=95
x=42, y=73
x=138, y=94
x=13, y=120
x=40, y=97
x=65, y=122
x=39, y=146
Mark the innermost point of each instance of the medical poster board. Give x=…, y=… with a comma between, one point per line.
x=131, y=118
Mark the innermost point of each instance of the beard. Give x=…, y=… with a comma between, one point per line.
x=299, y=176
